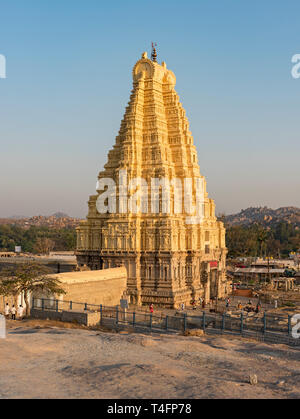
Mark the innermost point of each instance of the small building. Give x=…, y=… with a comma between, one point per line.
x=256, y=274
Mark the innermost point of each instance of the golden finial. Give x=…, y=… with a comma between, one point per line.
x=154, y=53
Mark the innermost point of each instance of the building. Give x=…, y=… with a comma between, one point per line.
x=255, y=274
x=173, y=251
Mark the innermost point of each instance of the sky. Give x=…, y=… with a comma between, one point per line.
x=69, y=77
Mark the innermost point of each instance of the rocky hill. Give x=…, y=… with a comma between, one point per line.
x=56, y=221
x=264, y=216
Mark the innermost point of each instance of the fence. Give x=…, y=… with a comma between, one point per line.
x=267, y=327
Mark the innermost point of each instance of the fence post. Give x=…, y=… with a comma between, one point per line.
x=56, y=305
x=184, y=322
x=265, y=322
x=242, y=322
x=43, y=304
x=71, y=305
x=117, y=315
x=167, y=318
x=223, y=322
x=101, y=314
x=289, y=324
x=133, y=319
x=203, y=321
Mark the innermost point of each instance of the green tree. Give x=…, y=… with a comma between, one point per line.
x=262, y=238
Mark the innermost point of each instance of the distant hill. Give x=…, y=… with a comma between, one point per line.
x=60, y=215
x=265, y=216
x=56, y=221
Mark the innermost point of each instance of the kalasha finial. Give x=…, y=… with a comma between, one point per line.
x=154, y=53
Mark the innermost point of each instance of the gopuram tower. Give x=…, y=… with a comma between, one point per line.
x=152, y=213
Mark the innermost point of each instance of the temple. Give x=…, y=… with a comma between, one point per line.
x=174, y=250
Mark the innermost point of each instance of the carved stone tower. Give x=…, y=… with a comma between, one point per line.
x=169, y=258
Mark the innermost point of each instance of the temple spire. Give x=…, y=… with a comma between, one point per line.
x=154, y=53
x=161, y=224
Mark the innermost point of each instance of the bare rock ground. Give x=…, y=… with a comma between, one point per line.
x=56, y=362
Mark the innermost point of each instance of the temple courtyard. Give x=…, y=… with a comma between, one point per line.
x=41, y=359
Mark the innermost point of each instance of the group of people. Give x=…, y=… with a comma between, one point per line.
x=194, y=304
x=11, y=312
x=249, y=307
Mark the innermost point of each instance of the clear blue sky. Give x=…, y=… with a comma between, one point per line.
x=69, y=66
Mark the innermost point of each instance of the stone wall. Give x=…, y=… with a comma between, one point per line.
x=106, y=293
x=84, y=318
x=104, y=287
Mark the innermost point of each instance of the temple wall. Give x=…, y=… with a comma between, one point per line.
x=104, y=287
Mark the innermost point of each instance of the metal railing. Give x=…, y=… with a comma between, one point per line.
x=263, y=326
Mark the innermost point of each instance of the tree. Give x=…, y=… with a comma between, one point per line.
x=44, y=245
x=262, y=238
x=27, y=278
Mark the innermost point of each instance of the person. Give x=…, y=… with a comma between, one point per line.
x=200, y=301
x=13, y=312
x=194, y=304
x=203, y=303
x=239, y=306
x=6, y=310
x=20, y=312
x=275, y=304
x=227, y=302
x=151, y=308
x=258, y=307
x=182, y=306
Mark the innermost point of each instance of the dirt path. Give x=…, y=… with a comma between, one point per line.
x=77, y=363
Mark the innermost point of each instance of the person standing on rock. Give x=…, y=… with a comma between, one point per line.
x=151, y=308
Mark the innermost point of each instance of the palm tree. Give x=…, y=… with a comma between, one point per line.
x=262, y=238
x=27, y=278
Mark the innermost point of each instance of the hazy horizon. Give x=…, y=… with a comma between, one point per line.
x=12, y=216
x=69, y=78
